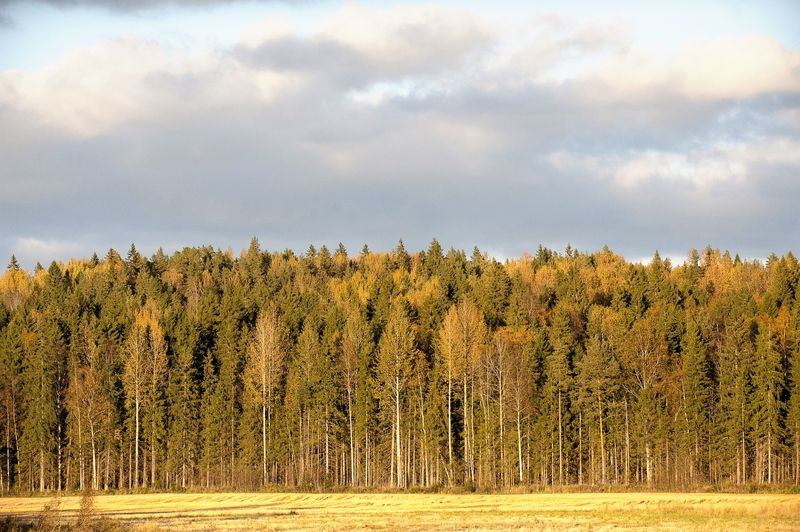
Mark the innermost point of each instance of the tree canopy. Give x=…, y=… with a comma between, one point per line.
x=400, y=369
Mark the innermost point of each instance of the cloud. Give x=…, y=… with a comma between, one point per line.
x=32, y=250
x=727, y=68
x=360, y=45
x=138, y=5
x=702, y=167
x=97, y=88
x=413, y=122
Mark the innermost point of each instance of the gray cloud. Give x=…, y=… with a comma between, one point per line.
x=469, y=156
x=409, y=49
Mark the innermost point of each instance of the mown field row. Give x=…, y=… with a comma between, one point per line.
x=293, y=511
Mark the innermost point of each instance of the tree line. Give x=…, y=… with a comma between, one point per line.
x=394, y=370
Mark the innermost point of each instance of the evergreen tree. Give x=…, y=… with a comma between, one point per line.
x=183, y=399
x=559, y=375
x=38, y=439
x=398, y=369
x=768, y=406
x=598, y=381
x=734, y=369
x=696, y=395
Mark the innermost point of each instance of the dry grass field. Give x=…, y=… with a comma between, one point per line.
x=309, y=511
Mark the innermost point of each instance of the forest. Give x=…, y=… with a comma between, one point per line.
x=425, y=370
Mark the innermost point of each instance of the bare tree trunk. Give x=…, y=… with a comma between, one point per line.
x=519, y=440
x=602, y=442
x=796, y=457
x=397, y=421
x=327, y=443
x=424, y=443
x=560, y=444
x=94, y=457
x=466, y=428
x=580, y=447
x=263, y=441
x=80, y=452
x=769, y=457
x=352, y=442
x=450, y=425
x=41, y=469
x=627, y=445
x=8, y=445
x=153, y=461
x=136, y=444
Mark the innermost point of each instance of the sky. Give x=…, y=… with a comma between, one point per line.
x=643, y=126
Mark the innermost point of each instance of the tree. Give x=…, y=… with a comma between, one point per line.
x=793, y=413
x=598, y=380
x=734, y=369
x=11, y=362
x=88, y=403
x=696, y=387
x=398, y=368
x=38, y=438
x=263, y=370
x=142, y=378
x=155, y=405
x=183, y=411
x=396, y=352
x=451, y=359
x=462, y=337
x=511, y=364
x=645, y=359
x=559, y=374
x=356, y=346
x=212, y=417
x=768, y=406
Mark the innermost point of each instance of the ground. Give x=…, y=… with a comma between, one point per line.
x=312, y=511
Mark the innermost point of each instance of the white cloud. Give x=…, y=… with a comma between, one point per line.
x=94, y=89
x=403, y=52
x=415, y=121
x=702, y=167
x=31, y=250
x=407, y=37
x=729, y=68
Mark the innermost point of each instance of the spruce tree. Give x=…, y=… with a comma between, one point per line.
x=768, y=405
x=696, y=394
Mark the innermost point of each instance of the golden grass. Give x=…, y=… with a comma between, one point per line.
x=312, y=511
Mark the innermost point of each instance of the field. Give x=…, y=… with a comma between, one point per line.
x=293, y=511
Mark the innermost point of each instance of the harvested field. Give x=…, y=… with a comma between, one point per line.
x=308, y=511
